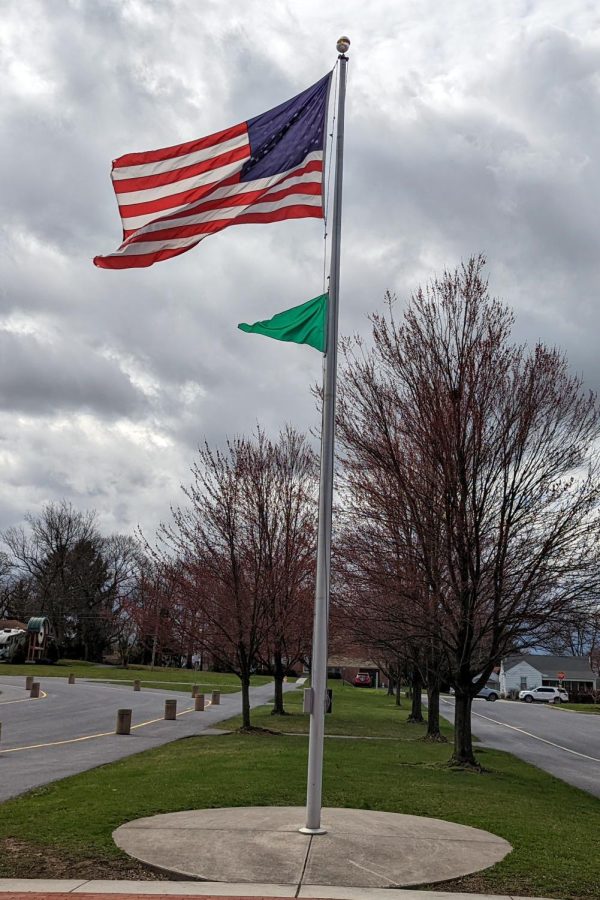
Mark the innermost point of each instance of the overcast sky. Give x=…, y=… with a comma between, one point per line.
x=471, y=126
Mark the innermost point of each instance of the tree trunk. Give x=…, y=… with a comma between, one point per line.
x=278, y=709
x=463, y=740
x=416, y=712
x=397, y=692
x=278, y=675
x=433, y=714
x=245, y=679
x=391, y=688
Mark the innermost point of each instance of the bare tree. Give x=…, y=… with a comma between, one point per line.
x=578, y=634
x=243, y=548
x=59, y=553
x=491, y=448
x=41, y=553
x=63, y=567
x=377, y=600
x=283, y=488
x=126, y=567
x=5, y=585
x=381, y=558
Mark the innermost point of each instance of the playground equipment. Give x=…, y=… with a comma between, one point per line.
x=12, y=640
x=28, y=644
x=38, y=632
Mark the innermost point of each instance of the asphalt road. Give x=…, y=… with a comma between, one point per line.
x=564, y=743
x=71, y=728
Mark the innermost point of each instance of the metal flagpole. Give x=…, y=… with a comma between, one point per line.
x=319, y=646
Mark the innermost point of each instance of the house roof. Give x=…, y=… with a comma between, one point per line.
x=351, y=662
x=576, y=668
x=12, y=623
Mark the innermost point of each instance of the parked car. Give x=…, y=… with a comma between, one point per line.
x=363, y=679
x=488, y=693
x=544, y=695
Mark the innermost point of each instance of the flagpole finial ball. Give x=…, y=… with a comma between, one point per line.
x=343, y=44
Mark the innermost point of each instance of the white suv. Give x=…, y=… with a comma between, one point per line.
x=544, y=695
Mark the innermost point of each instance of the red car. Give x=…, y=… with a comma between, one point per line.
x=363, y=679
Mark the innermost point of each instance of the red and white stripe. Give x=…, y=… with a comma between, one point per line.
x=171, y=199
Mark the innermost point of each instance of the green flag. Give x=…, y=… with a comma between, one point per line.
x=304, y=324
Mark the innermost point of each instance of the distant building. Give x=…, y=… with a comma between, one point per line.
x=347, y=668
x=5, y=624
x=525, y=671
x=494, y=679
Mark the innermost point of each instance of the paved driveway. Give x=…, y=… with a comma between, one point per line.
x=564, y=743
x=71, y=729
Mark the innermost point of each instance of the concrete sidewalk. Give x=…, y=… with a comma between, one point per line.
x=39, y=889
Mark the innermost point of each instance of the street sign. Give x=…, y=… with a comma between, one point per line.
x=561, y=675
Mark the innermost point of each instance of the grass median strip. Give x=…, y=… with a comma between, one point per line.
x=553, y=827
x=159, y=678
x=588, y=708
x=356, y=711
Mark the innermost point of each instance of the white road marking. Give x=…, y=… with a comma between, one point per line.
x=89, y=737
x=536, y=737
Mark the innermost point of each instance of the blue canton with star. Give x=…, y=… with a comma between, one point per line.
x=281, y=138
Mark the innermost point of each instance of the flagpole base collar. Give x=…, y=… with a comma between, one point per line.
x=306, y=830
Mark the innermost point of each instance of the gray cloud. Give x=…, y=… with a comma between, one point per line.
x=468, y=129
x=45, y=378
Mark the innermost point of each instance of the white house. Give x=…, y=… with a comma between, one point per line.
x=525, y=671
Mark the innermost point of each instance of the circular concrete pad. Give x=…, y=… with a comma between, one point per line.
x=362, y=848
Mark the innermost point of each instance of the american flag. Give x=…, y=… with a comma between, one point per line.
x=267, y=169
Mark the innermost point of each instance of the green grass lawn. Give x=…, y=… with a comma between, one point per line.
x=356, y=711
x=163, y=678
x=554, y=828
x=593, y=708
